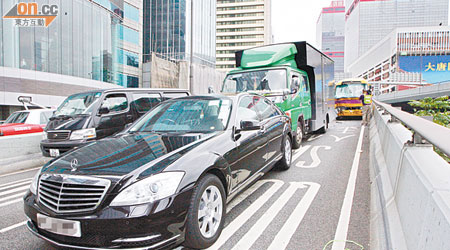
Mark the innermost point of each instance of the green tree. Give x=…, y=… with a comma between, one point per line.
x=439, y=109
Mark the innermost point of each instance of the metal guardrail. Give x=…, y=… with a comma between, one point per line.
x=435, y=134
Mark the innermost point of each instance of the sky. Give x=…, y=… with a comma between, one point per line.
x=295, y=20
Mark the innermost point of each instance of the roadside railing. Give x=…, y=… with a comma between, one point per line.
x=410, y=182
x=423, y=129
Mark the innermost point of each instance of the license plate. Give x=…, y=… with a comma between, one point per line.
x=54, y=152
x=59, y=226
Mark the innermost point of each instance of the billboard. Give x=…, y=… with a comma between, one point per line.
x=434, y=69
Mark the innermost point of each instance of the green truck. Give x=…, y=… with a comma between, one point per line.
x=297, y=77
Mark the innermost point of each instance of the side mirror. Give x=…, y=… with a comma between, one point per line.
x=103, y=111
x=250, y=125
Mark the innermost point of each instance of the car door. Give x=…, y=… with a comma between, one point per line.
x=118, y=116
x=250, y=145
x=272, y=122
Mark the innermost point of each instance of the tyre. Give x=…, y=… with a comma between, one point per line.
x=324, y=129
x=206, y=213
x=286, y=150
x=297, y=140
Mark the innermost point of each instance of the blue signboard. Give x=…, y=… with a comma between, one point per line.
x=434, y=69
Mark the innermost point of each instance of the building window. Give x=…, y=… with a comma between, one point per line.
x=131, y=12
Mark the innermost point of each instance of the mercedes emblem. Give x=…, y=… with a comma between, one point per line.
x=74, y=164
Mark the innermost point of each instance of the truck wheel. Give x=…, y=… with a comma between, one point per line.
x=206, y=213
x=297, y=140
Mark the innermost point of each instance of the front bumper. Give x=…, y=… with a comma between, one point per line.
x=157, y=225
x=350, y=112
x=62, y=146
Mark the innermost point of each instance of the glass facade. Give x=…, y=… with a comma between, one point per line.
x=83, y=40
x=168, y=30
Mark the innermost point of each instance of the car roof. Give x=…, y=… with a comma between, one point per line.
x=134, y=90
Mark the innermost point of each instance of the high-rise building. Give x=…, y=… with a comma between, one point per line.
x=330, y=31
x=88, y=45
x=367, y=22
x=241, y=25
x=174, y=29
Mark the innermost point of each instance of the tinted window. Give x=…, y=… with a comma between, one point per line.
x=18, y=117
x=115, y=102
x=145, y=102
x=247, y=109
x=265, y=108
x=187, y=115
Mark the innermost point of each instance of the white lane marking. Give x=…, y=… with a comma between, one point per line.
x=12, y=196
x=18, y=172
x=348, y=128
x=299, y=152
x=344, y=219
x=6, y=229
x=338, y=139
x=315, y=157
x=246, y=215
x=16, y=185
x=14, y=182
x=245, y=194
x=10, y=202
x=283, y=237
x=258, y=228
x=15, y=190
x=314, y=137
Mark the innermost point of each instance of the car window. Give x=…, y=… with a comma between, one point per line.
x=18, y=117
x=115, y=102
x=144, y=101
x=304, y=84
x=171, y=95
x=247, y=109
x=265, y=108
x=45, y=116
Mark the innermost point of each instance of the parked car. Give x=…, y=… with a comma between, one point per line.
x=26, y=122
x=88, y=116
x=163, y=181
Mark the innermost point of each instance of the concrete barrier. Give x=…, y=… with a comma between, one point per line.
x=18, y=152
x=410, y=190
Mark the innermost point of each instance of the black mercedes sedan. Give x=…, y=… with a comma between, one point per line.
x=163, y=181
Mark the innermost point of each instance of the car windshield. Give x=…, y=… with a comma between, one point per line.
x=264, y=80
x=17, y=117
x=186, y=115
x=78, y=104
x=349, y=90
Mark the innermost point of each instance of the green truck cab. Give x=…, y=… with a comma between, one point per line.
x=297, y=77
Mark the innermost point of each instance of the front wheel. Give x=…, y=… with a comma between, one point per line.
x=206, y=213
x=286, y=150
x=297, y=140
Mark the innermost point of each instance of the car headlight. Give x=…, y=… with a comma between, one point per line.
x=34, y=183
x=150, y=189
x=44, y=135
x=83, y=134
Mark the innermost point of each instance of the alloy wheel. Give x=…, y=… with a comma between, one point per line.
x=287, y=151
x=210, y=211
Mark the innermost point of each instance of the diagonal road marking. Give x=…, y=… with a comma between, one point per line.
x=14, y=182
x=246, y=215
x=283, y=237
x=245, y=194
x=15, y=185
x=12, y=196
x=6, y=229
x=10, y=202
x=15, y=190
x=258, y=228
x=315, y=157
x=299, y=152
